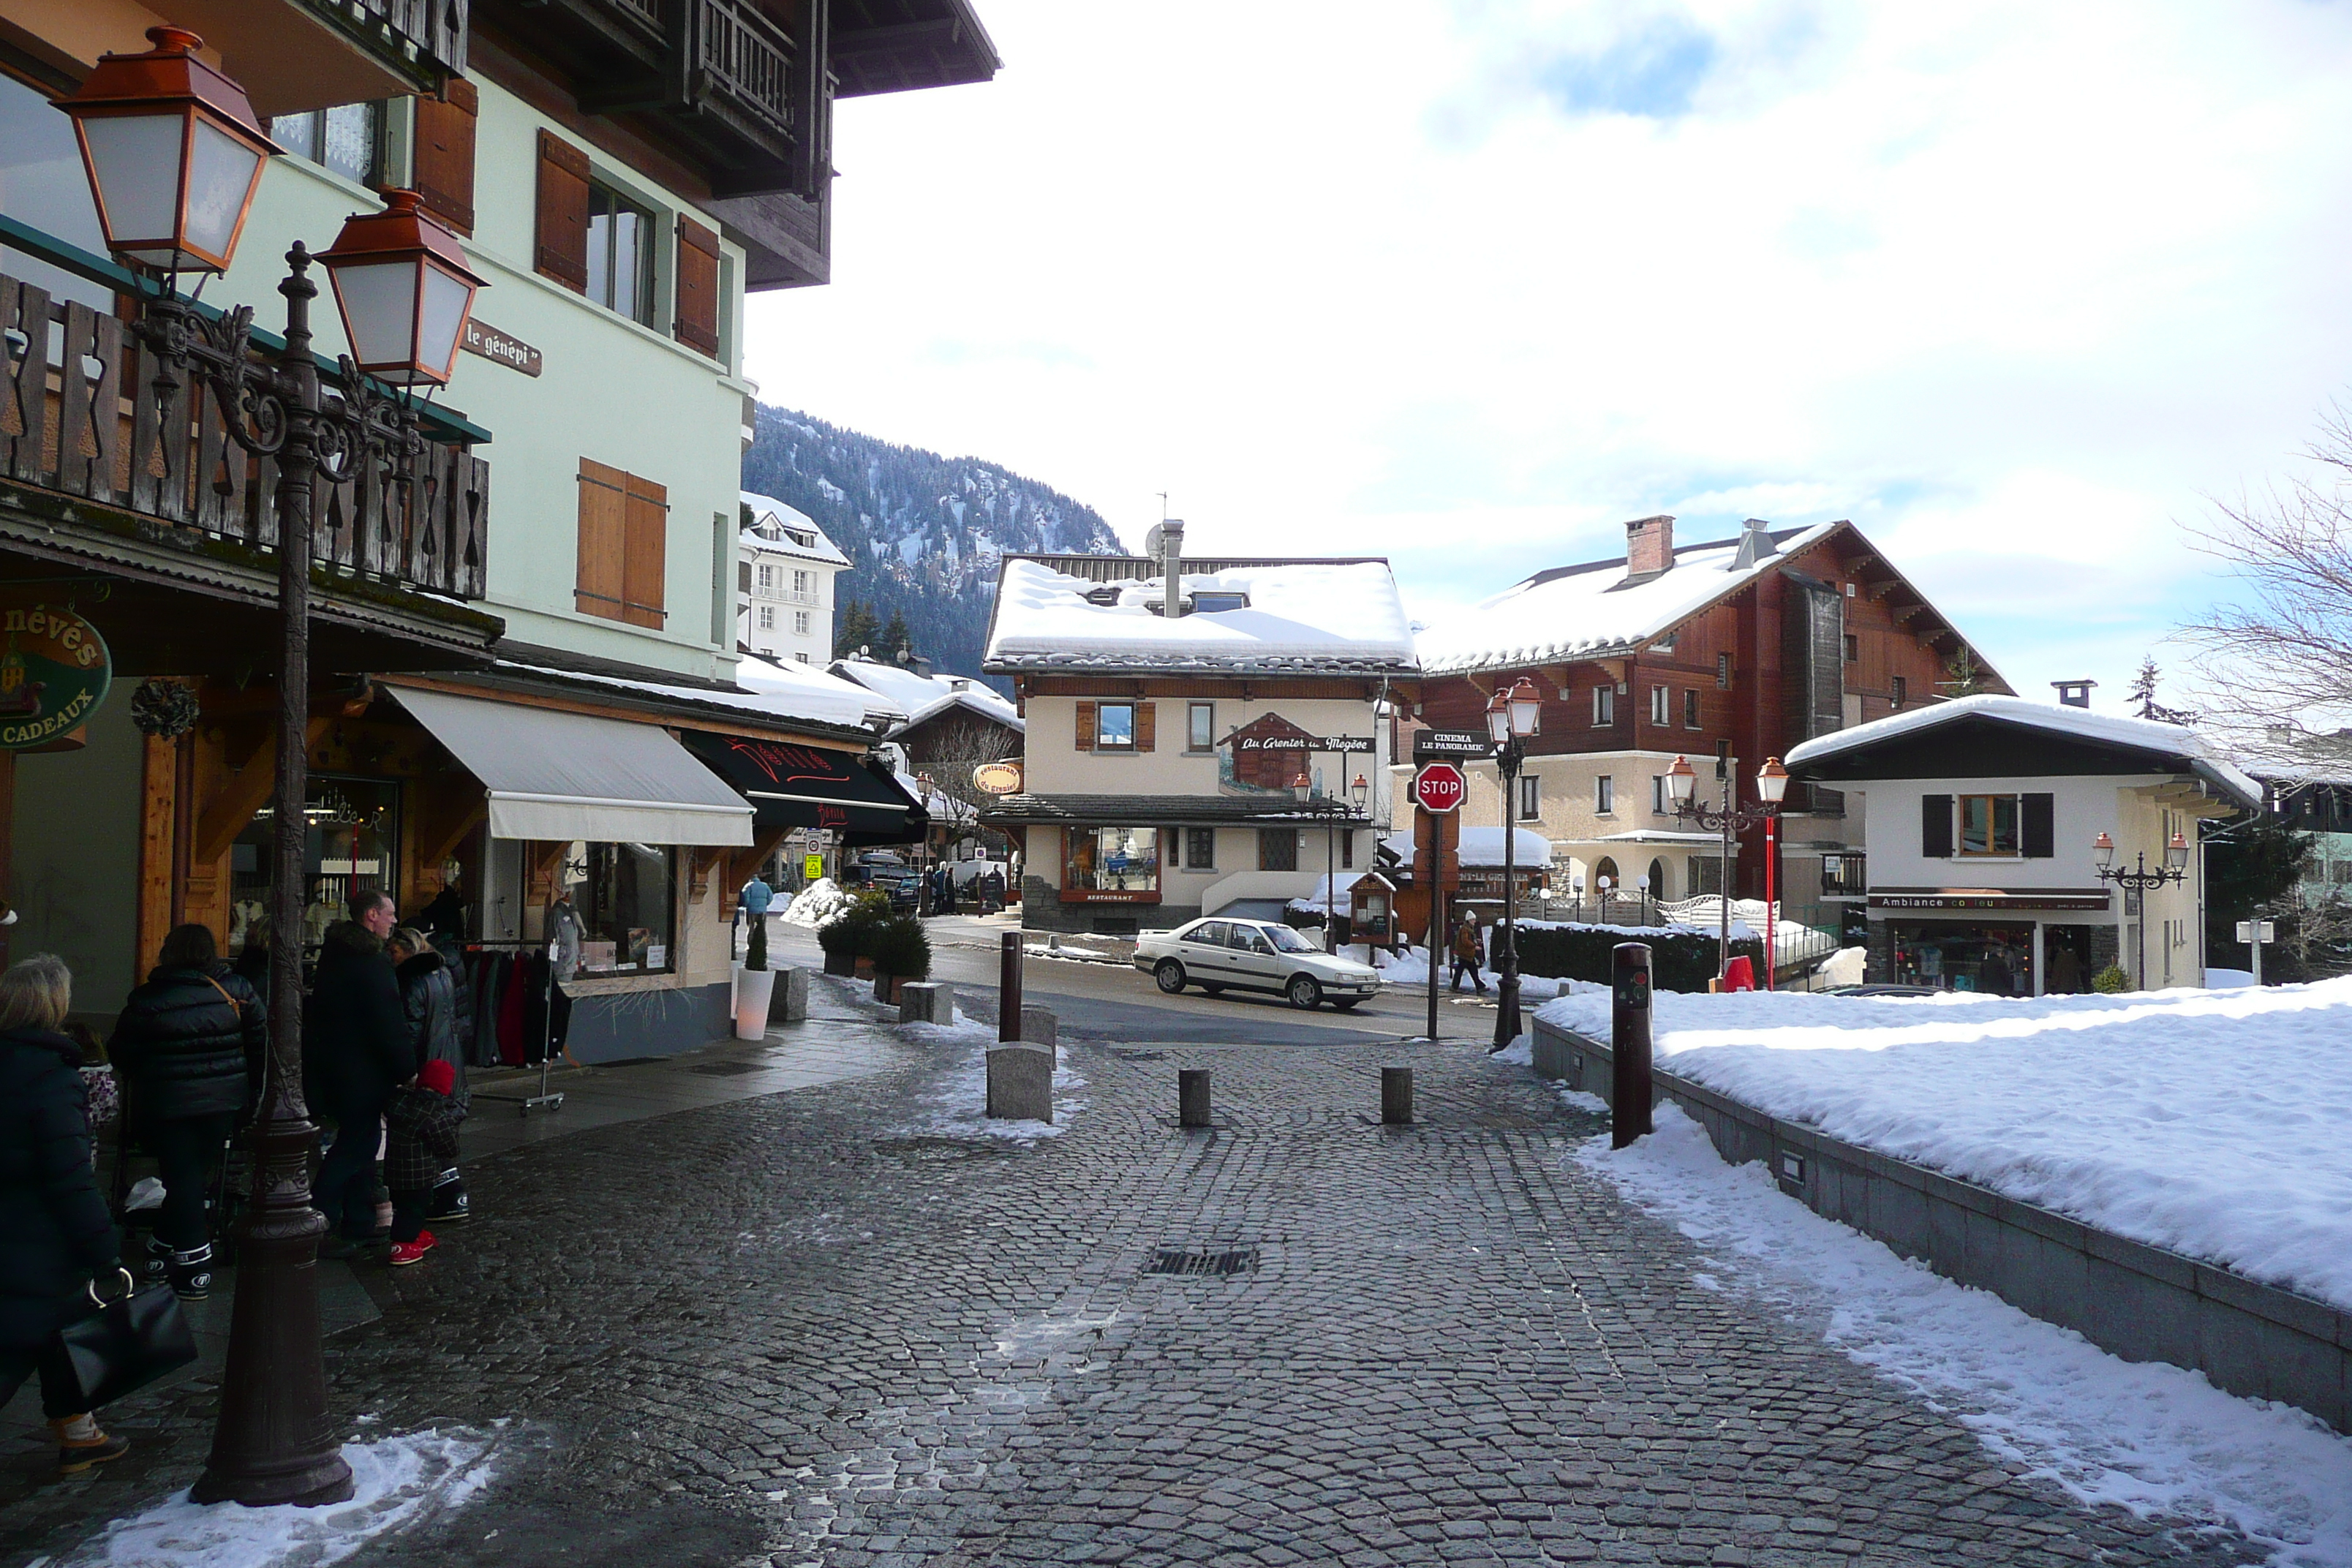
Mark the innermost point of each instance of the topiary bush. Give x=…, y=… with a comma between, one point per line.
x=2111, y=981
x=1680, y=959
x=853, y=931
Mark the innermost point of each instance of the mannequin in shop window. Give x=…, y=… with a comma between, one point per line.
x=547, y=1009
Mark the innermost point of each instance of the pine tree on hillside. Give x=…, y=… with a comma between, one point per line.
x=897, y=642
x=856, y=628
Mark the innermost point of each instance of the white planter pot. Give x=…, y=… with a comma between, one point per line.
x=753, y=990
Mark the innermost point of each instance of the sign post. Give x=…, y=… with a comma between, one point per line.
x=1437, y=790
x=2254, y=934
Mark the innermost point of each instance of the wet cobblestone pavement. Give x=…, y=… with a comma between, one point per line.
x=804, y=1328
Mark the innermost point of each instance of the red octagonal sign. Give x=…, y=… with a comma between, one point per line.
x=1439, y=787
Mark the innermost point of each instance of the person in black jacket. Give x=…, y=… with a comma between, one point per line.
x=428, y=989
x=356, y=1053
x=188, y=1049
x=56, y=1236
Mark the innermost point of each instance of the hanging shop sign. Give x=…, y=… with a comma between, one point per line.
x=493, y=344
x=997, y=778
x=54, y=673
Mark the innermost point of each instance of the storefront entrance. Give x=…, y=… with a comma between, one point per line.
x=1954, y=956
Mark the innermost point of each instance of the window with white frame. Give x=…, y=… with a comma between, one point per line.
x=804, y=581
x=1531, y=797
x=1605, y=706
x=1661, y=706
x=767, y=574
x=1658, y=799
x=1604, y=794
x=800, y=623
x=767, y=617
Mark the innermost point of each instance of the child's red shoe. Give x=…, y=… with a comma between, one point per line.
x=405, y=1253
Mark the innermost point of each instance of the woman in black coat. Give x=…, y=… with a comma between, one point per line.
x=188, y=1049
x=56, y=1236
x=356, y=1053
x=436, y=1016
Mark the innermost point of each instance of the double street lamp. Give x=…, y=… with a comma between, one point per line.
x=1511, y=717
x=1730, y=819
x=1331, y=810
x=174, y=155
x=2141, y=879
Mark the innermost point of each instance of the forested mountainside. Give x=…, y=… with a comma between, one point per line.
x=923, y=532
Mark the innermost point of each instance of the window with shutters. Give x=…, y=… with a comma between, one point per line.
x=561, y=248
x=624, y=546
x=697, y=322
x=1114, y=727
x=442, y=159
x=1990, y=824
x=621, y=255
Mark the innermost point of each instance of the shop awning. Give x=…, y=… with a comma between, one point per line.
x=553, y=775
x=794, y=786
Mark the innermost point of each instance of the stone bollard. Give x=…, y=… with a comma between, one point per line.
x=1396, y=1096
x=1021, y=1083
x=788, y=1003
x=926, y=1002
x=1037, y=1028
x=1192, y=1096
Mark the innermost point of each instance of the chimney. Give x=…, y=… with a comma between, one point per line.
x=1649, y=547
x=2074, y=693
x=1165, y=545
x=1755, y=544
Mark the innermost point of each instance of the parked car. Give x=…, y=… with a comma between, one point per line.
x=886, y=874
x=1218, y=954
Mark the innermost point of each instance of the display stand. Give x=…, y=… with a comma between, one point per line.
x=546, y=1099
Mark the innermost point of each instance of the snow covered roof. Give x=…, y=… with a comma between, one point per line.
x=1481, y=846
x=794, y=692
x=2171, y=740
x=1582, y=612
x=768, y=515
x=926, y=696
x=1299, y=615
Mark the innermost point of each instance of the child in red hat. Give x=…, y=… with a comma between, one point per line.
x=421, y=1143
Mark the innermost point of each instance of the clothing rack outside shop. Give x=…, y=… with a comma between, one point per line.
x=546, y=1099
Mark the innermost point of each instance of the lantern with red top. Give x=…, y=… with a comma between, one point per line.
x=404, y=290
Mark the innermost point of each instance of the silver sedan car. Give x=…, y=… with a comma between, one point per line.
x=1218, y=954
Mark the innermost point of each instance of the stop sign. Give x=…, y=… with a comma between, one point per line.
x=1439, y=787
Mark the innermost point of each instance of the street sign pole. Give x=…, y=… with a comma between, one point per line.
x=1438, y=790
x=1436, y=835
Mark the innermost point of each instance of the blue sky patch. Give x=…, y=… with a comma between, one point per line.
x=1650, y=72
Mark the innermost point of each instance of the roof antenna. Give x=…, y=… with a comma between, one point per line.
x=1163, y=504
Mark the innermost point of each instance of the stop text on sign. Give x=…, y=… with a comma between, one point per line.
x=1439, y=787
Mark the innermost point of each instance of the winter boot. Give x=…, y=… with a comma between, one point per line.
x=450, y=1202
x=191, y=1273
x=159, y=1259
x=82, y=1445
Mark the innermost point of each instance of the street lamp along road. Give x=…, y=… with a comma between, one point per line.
x=2140, y=879
x=1303, y=790
x=1729, y=818
x=174, y=155
x=1511, y=717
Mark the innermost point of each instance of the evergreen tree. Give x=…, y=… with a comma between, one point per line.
x=2143, y=690
x=1963, y=676
x=897, y=642
x=2252, y=867
x=854, y=629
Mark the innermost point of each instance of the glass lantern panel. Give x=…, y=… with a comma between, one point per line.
x=220, y=178
x=379, y=300
x=135, y=159
x=442, y=319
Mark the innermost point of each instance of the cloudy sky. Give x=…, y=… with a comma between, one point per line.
x=2015, y=286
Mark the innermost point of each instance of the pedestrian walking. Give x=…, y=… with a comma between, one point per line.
x=56, y=1240
x=1469, y=956
x=421, y=1143
x=187, y=1051
x=428, y=994
x=752, y=904
x=355, y=1054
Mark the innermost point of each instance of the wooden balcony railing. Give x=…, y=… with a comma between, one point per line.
x=434, y=30
x=745, y=58
x=79, y=416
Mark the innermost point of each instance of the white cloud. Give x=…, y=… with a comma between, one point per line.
x=2013, y=286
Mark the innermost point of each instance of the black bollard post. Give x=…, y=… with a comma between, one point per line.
x=1396, y=1096
x=1629, y=1044
x=1008, y=988
x=1192, y=1096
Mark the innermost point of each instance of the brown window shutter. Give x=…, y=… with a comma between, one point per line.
x=444, y=171
x=1144, y=726
x=698, y=288
x=603, y=535
x=1086, y=726
x=645, y=562
x=562, y=252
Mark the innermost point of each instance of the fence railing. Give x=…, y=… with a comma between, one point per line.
x=1802, y=934
x=747, y=59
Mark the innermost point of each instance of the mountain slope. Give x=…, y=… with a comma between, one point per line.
x=924, y=532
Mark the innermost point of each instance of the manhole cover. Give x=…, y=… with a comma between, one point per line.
x=1212, y=1262
x=724, y=1070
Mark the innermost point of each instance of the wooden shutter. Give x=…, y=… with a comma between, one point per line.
x=2038, y=819
x=604, y=536
x=444, y=163
x=562, y=252
x=1086, y=726
x=1935, y=827
x=645, y=558
x=698, y=288
x=1145, y=726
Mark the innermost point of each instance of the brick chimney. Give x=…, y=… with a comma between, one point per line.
x=1649, y=546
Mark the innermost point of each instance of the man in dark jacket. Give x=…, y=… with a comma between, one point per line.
x=187, y=1049
x=356, y=1053
x=428, y=989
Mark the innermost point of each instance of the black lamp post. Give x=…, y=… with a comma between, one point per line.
x=1333, y=810
x=1511, y=717
x=173, y=156
x=1728, y=819
x=2140, y=879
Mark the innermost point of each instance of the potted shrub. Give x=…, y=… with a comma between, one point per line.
x=849, y=939
x=755, y=985
x=901, y=952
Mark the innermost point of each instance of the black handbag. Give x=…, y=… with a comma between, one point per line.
x=127, y=1343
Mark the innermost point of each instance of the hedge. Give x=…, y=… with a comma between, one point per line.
x=1681, y=958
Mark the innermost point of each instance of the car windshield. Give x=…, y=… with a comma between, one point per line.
x=1288, y=940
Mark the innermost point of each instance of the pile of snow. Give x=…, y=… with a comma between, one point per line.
x=2153, y=1438
x=822, y=900
x=397, y=1482
x=2227, y=979
x=2214, y=1123
x=956, y=1104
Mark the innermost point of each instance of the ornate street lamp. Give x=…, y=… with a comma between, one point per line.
x=1511, y=717
x=2141, y=879
x=174, y=155
x=1772, y=785
x=1729, y=819
x=404, y=290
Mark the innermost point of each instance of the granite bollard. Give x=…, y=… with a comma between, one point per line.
x=788, y=1003
x=1192, y=1096
x=926, y=1002
x=1021, y=1083
x=1038, y=1028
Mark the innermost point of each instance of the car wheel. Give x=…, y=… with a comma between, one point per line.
x=1171, y=976
x=1304, y=993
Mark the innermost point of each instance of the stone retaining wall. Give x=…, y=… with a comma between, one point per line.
x=2140, y=1302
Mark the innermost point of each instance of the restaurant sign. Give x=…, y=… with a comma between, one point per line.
x=54, y=673
x=1989, y=900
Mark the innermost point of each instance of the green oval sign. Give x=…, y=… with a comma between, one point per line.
x=54, y=673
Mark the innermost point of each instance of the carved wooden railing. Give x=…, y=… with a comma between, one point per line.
x=435, y=29
x=79, y=416
x=746, y=57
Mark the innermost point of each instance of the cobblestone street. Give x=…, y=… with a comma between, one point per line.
x=803, y=1329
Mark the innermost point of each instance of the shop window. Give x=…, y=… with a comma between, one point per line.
x=1604, y=794
x=1690, y=708
x=625, y=897
x=624, y=546
x=1200, y=727
x=1605, y=706
x=620, y=254
x=1278, y=850
x=1531, y=797
x=352, y=844
x=1200, y=849
x=346, y=139
x=1112, y=860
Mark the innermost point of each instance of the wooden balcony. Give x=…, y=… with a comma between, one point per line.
x=296, y=55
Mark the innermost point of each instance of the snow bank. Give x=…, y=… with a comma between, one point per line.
x=397, y=1482
x=2215, y=1123
x=956, y=1105
x=2151, y=1437
x=822, y=900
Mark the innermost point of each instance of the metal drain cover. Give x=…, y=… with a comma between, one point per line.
x=725, y=1069
x=1205, y=1263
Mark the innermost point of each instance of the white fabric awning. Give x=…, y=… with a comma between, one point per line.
x=553, y=776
